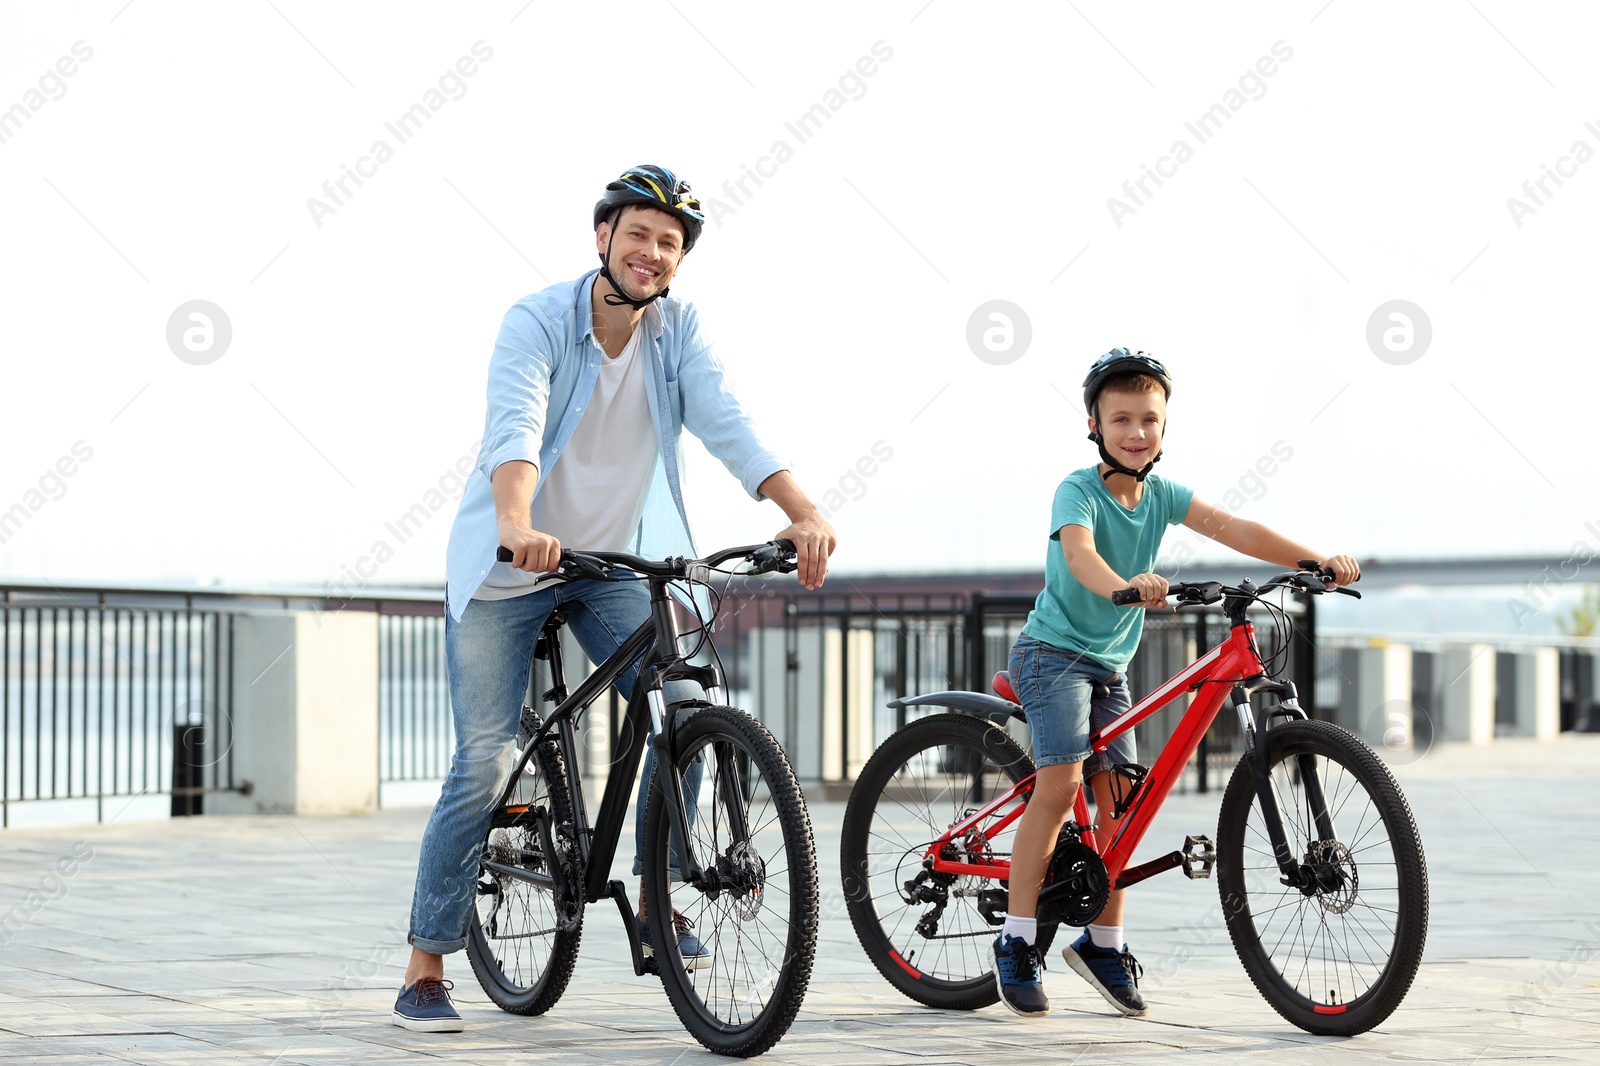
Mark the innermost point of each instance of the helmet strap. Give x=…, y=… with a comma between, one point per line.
x=618, y=298
x=1118, y=468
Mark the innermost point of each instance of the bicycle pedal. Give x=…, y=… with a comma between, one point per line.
x=1198, y=852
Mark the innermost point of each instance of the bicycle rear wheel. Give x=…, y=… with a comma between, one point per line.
x=757, y=912
x=528, y=918
x=1337, y=958
x=923, y=930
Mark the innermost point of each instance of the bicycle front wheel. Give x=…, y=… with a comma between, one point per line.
x=756, y=910
x=923, y=930
x=1336, y=957
x=528, y=918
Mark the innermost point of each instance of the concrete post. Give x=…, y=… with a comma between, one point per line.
x=794, y=726
x=1538, y=696
x=813, y=732
x=1383, y=687
x=305, y=714
x=1466, y=693
x=843, y=756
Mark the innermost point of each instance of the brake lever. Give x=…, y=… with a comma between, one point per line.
x=1341, y=590
x=774, y=557
x=574, y=565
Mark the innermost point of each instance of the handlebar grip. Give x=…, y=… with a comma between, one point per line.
x=502, y=554
x=1123, y=597
x=785, y=545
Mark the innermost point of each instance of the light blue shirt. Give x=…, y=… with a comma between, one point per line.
x=544, y=367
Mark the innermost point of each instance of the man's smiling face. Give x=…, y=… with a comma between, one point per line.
x=646, y=248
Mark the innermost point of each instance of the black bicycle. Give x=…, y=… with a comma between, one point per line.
x=735, y=857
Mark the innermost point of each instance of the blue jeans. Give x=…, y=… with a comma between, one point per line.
x=1056, y=688
x=488, y=654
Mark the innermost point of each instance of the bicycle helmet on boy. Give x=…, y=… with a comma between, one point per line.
x=1121, y=361
x=651, y=186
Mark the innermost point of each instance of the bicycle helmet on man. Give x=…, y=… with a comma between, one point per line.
x=1115, y=363
x=647, y=186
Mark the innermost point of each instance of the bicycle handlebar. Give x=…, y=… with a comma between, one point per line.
x=1310, y=578
x=774, y=555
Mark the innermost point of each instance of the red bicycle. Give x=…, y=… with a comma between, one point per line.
x=1320, y=869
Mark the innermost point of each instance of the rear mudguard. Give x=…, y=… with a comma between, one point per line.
x=981, y=704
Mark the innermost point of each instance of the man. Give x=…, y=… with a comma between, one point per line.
x=590, y=387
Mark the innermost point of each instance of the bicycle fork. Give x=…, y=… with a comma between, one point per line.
x=1257, y=749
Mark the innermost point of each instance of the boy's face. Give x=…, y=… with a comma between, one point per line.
x=1131, y=423
x=645, y=251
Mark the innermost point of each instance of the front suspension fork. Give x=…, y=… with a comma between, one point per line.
x=1258, y=751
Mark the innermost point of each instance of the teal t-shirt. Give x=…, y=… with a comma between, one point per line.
x=1070, y=616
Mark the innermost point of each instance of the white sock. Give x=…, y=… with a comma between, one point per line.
x=1026, y=928
x=1106, y=936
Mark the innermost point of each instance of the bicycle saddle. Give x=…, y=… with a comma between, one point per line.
x=1002, y=688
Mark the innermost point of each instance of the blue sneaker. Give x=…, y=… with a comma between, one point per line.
x=425, y=1007
x=1114, y=974
x=1016, y=971
x=690, y=949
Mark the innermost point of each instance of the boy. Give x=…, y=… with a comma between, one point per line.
x=1109, y=520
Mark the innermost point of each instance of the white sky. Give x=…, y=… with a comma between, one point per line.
x=974, y=165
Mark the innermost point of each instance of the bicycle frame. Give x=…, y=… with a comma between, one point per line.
x=656, y=639
x=1231, y=668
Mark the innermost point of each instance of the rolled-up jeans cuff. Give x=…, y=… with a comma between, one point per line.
x=435, y=947
x=673, y=873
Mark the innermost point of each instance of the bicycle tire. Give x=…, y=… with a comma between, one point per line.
x=1378, y=909
x=519, y=950
x=911, y=790
x=761, y=925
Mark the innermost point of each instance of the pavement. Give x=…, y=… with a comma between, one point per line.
x=280, y=940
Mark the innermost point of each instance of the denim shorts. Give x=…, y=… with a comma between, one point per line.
x=1056, y=688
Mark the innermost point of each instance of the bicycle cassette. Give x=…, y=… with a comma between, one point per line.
x=1076, y=885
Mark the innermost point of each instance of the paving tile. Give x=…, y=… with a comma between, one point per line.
x=262, y=938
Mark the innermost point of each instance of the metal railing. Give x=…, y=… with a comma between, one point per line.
x=416, y=735
x=110, y=701
x=795, y=660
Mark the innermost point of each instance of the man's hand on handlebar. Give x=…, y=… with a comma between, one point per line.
x=814, y=540
x=535, y=552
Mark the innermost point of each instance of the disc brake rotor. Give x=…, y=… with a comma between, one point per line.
x=1335, y=870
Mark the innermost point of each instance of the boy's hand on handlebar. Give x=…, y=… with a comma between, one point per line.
x=535, y=552
x=814, y=540
x=1152, y=589
x=1345, y=569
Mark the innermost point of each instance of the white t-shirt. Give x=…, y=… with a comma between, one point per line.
x=593, y=497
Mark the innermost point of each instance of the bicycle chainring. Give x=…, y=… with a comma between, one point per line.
x=1076, y=885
